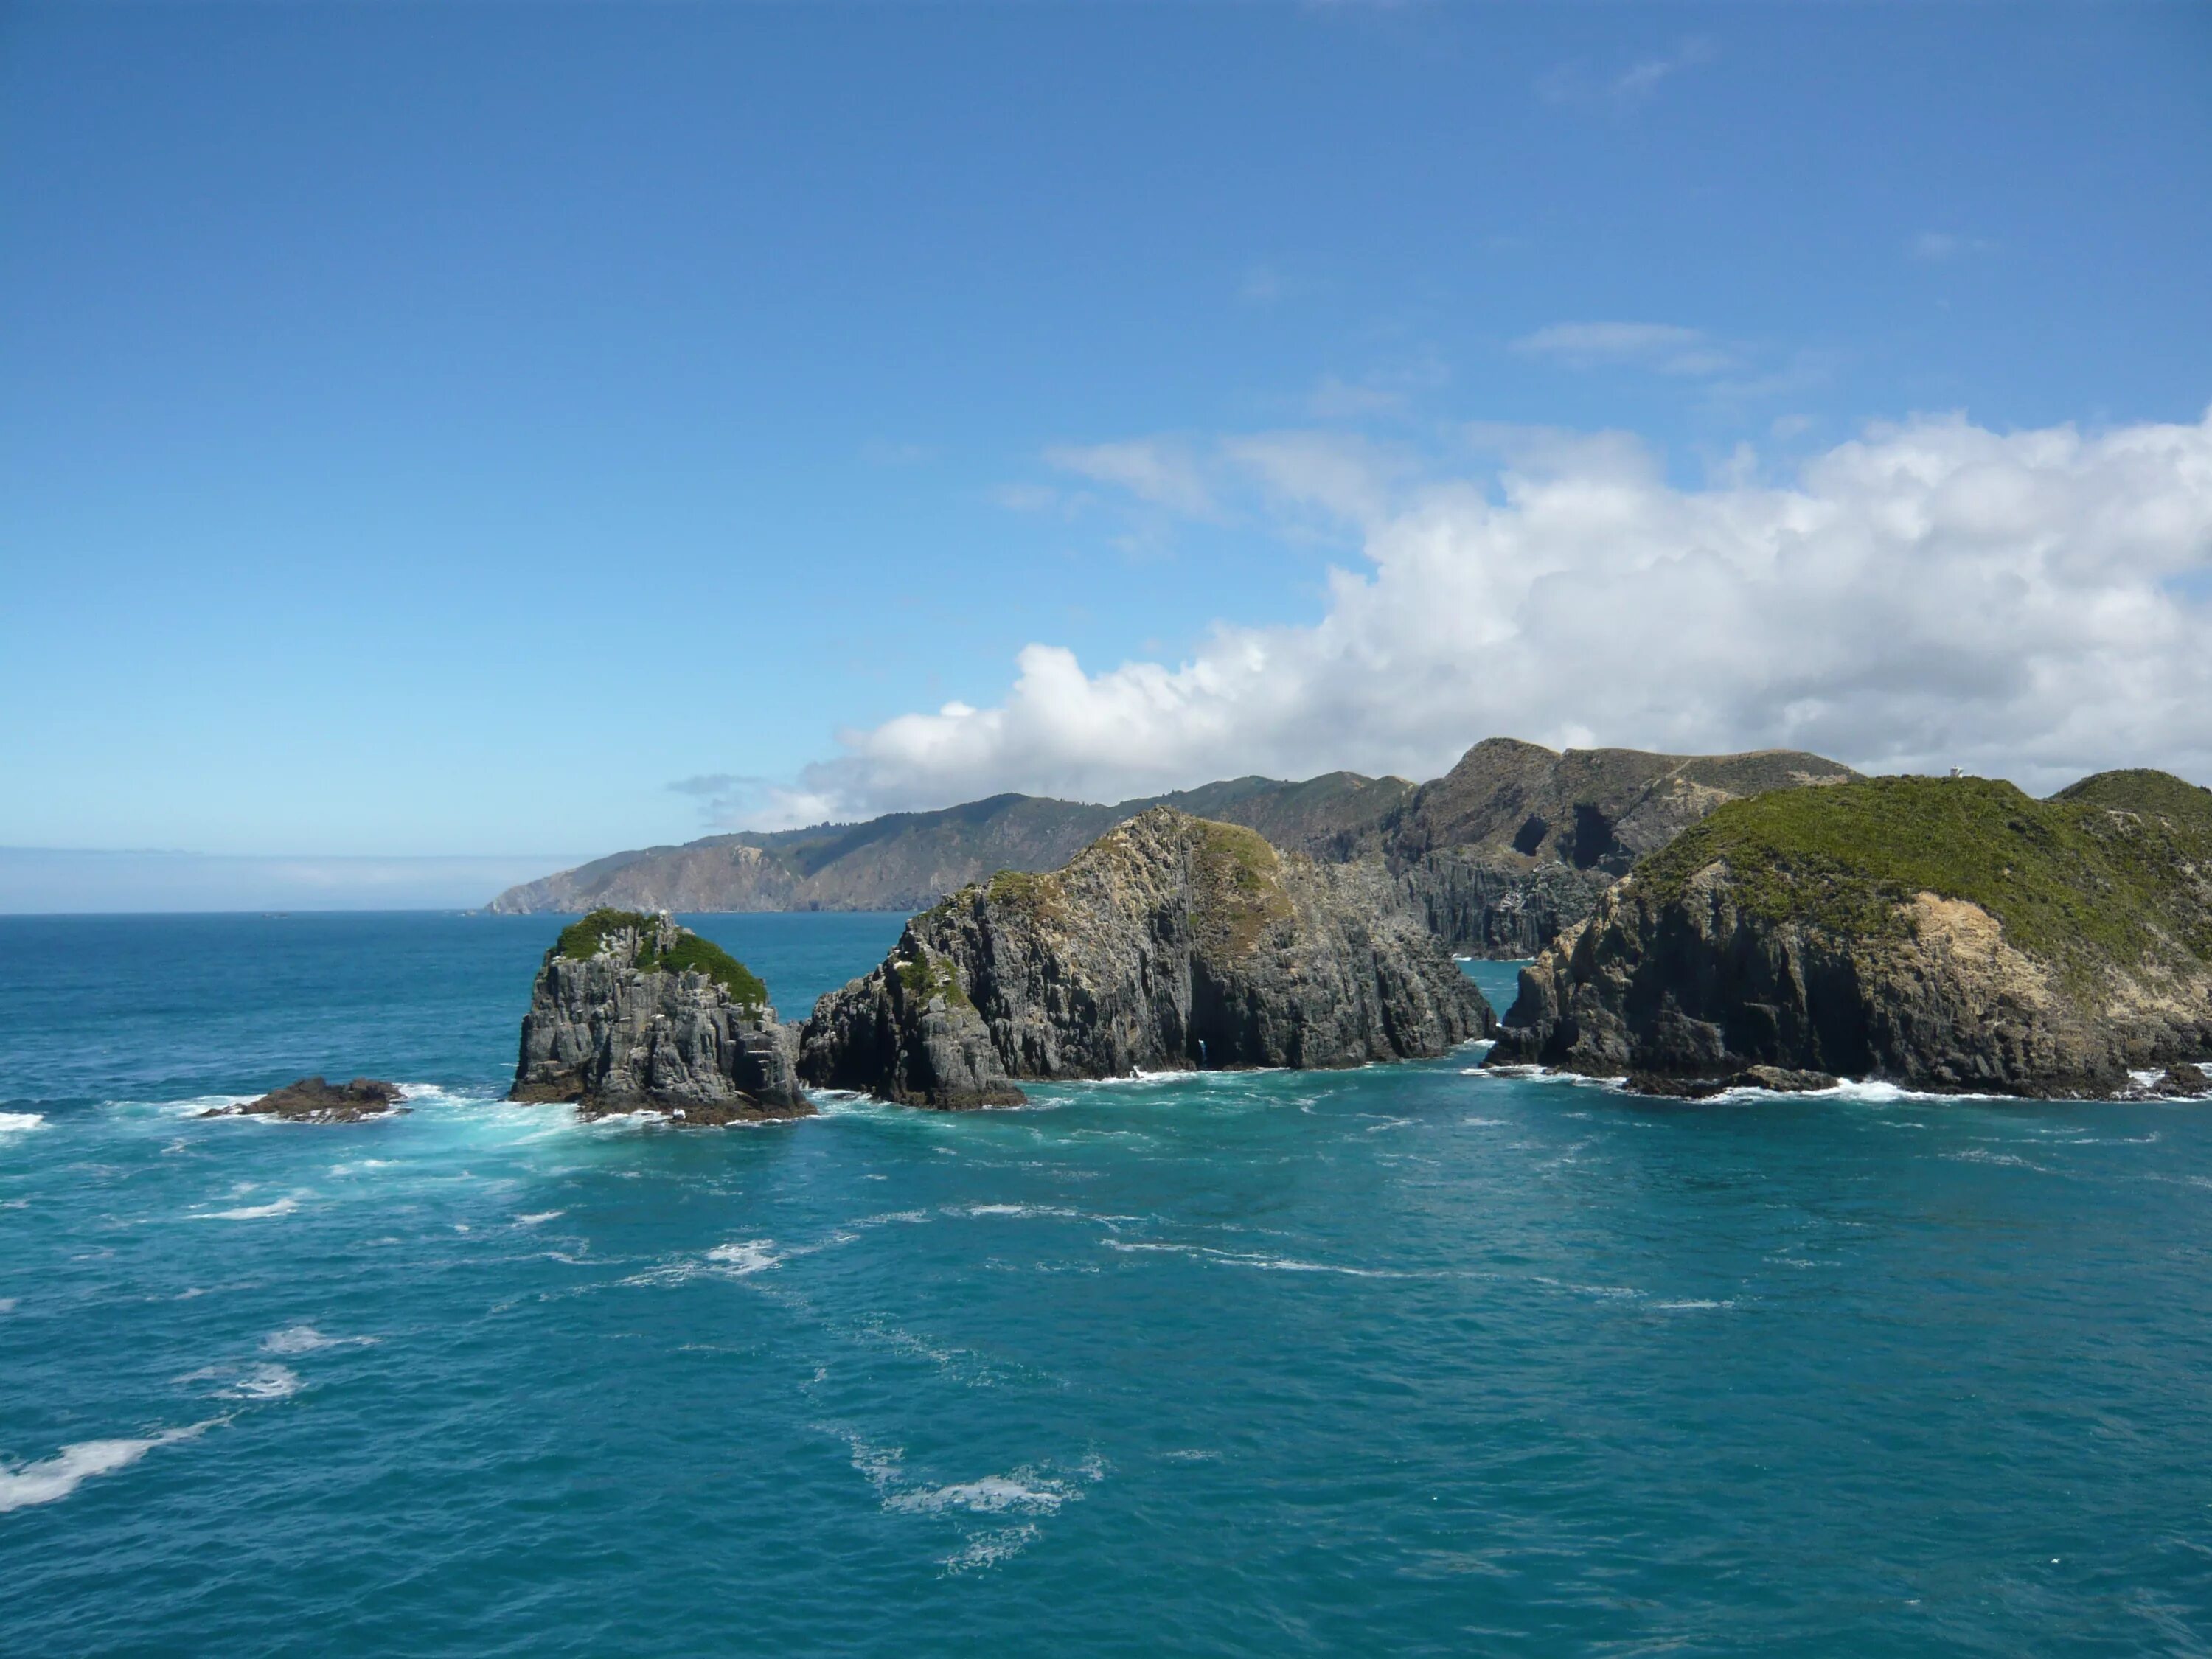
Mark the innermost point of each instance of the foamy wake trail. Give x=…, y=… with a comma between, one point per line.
x=54, y=1478
x=1027, y=1491
x=16, y=1123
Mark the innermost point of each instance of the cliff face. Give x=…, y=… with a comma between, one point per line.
x=1518, y=842
x=1171, y=942
x=633, y=1013
x=1950, y=934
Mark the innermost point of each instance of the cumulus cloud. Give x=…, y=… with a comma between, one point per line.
x=2029, y=604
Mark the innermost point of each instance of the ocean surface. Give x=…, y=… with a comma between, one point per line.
x=1406, y=1361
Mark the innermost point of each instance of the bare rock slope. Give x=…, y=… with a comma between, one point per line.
x=1951, y=934
x=633, y=1013
x=1169, y=943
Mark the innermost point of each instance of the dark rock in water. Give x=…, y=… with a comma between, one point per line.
x=1775, y=1080
x=311, y=1100
x=632, y=1012
x=1951, y=934
x=2181, y=1081
x=1170, y=942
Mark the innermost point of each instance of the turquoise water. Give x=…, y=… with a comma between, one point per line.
x=1406, y=1361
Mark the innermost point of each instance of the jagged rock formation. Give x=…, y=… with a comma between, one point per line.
x=909, y=860
x=633, y=1013
x=1169, y=943
x=1950, y=934
x=311, y=1100
x=1517, y=842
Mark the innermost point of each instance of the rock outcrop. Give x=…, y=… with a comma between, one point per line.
x=1170, y=942
x=311, y=1100
x=1518, y=843
x=632, y=1012
x=1948, y=934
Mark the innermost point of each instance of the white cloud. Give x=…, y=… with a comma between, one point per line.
x=1665, y=348
x=2027, y=604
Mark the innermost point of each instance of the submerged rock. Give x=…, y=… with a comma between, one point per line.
x=1171, y=942
x=1949, y=934
x=311, y=1100
x=633, y=1013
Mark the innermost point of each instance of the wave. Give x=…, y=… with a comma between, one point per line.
x=1279, y=1264
x=265, y=1382
x=747, y=1256
x=306, y=1339
x=249, y=1212
x=51, y=1479
x=536, y=1217
x=16, y=1123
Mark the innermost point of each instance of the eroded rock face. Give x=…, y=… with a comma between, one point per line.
x=1171, y=942
x=649, y=1020
x=1699, y=988
x=311, y=1100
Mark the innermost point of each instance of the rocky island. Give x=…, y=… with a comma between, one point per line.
x=632, y=1012
x=1951, y=934
x=311, y=1100
x=1169, y=943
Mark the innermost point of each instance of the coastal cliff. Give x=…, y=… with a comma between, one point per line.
x=633, y=1013
x=1170, y=942
x=1949, y=934
x=1518, y=843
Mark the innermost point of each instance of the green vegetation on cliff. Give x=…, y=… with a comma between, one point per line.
x=689, y=954
x=2117, y=869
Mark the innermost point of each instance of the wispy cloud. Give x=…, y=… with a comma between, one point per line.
x=1577, y=85
x=1936, y=247
x=1160, y=470
x=1663, y=348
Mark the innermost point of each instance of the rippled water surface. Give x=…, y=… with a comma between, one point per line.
x=1407, y=1360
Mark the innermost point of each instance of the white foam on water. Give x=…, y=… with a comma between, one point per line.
x=52, y=1478
x=746, y=1256
x=1602, y=1292
x=306, y=1339
x=249, y=1212
x=1279, y=1264
x=265, y=1382
x=1017, y=1212
x=538, y=1216
x=1693, y=1304
x=1022, y=1493
x=987, y=1549
x=7, y=1304
x=1983, y=1155
x=17, y=1123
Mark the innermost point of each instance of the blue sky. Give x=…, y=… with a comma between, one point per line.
x=439, y=431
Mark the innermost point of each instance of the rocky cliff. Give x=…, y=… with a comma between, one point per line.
x=633, y=1013
x=1170, y=942
x=1517, y=842
x=1950, y=934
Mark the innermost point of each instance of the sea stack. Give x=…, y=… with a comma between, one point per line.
x=631, y=1012
x=1170, y=942
x=1950, y=934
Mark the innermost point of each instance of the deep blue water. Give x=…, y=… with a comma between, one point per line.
x=1406, y=1361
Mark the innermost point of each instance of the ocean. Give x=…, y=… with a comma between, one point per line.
x=1407, y=1360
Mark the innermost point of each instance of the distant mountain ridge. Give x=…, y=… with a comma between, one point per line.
x=1515, y=842
x=910, y=861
